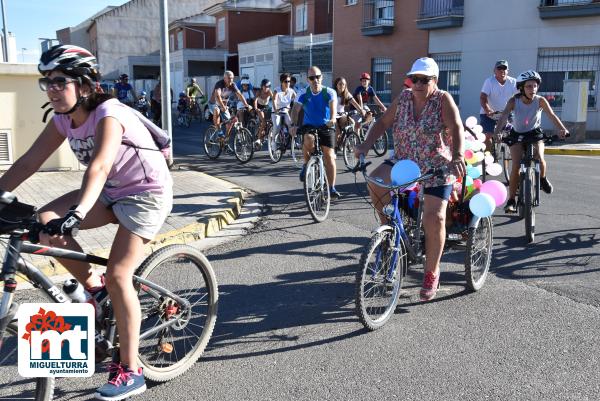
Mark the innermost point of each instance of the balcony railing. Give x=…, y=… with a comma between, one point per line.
x=438, y=14
x=378, y=17
x=568, y=8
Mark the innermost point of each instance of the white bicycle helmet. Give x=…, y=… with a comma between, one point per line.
x=529, y=75
x=71, y=60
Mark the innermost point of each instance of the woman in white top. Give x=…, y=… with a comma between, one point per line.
x=344, y=98
x=527, y=107
x=284, y=97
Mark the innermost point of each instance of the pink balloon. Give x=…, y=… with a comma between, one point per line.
x=477, y=183
x=496, y=190
x=468, y=154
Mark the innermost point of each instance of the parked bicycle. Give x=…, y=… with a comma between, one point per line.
x=316, y=185
x=280, y=140
x=217, y=139
x=401, y=242
x=176, y=286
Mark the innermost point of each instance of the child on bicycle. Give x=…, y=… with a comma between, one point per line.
x=126, y=183
x=344, y=98
x=263, y=106
x=527, y=108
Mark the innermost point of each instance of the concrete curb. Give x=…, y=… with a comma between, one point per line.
x=572, y=152
x=205, y=226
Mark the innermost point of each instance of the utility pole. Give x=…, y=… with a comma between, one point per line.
x=5, y=31
x=165, y=74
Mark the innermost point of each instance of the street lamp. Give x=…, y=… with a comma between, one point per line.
x=23, y=54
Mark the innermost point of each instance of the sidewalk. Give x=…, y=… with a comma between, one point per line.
x=590, y=147
x=202, y=205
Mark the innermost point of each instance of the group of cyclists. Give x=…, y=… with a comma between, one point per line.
x=127, y=181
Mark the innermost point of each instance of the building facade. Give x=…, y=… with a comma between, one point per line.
x=558, y=38
x=378, y=37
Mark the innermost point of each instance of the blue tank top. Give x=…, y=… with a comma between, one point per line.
x=316, y=106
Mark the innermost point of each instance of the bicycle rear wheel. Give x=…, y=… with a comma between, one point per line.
x=275, y=143
x=378, y=283
x=316, y=190
x=243, y=145
x=12, y=385
x=212, y=142
x=479, y=253
x=296, y=144
x=528, y=197
x=350, y=142
x=186, y=272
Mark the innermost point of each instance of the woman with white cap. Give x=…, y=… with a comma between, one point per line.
x=427, y=129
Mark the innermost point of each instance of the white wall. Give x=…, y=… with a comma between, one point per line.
x=493, y=30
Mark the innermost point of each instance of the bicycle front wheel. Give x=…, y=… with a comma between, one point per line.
x=212, y=142
x=243, y=145
x=275, y=144
x=316, y=190
x=186, y=272
x=350, y=143
x=12, y=385
x=381, y=144
x=479, y=253
x=379, y=280
x=528, y=197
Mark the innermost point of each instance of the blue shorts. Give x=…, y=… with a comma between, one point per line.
x=487, y=124
x=442, y=191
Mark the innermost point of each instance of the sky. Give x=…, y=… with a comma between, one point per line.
x=29, y=20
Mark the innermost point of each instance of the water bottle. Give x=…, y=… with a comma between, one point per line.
x=75, y=291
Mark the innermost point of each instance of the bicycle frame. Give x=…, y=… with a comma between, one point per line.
x=526, y=160
x=13, y=263
x=318, y=153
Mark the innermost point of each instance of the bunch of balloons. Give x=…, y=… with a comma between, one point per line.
x=490, y=194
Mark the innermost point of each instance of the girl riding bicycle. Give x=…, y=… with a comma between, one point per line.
x=262, y=104
x=344, y=98
x=126, y=183
x=527, y=108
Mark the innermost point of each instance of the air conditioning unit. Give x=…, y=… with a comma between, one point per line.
x=6, y=156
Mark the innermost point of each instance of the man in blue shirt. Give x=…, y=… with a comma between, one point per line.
x=319, y=105
x=122, y=89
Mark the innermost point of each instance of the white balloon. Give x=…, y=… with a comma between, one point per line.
x=481, y=137
x=470, y=122
x=478, y=129
x=489, y=159
x=479, y=156
x=494, y=169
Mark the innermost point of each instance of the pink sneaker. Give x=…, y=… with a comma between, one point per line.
x=431, y=283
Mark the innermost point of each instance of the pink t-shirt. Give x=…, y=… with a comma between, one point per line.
x=134, y=170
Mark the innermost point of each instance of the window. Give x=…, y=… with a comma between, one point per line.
x=351, y=2
x=378, y=13
x=172, y=42
x=449, y=79
x=180, y=40
x=301, y=18
x=556, y=65
x=220, y=29
x=382, y=78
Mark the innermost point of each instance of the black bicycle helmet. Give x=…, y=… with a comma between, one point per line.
x=71, y=60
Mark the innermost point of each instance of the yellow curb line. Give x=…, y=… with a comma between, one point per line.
x=573, y=152
x=206, y=226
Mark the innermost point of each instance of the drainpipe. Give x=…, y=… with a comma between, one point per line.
x=5, y=31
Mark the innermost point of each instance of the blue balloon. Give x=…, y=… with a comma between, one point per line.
x=473, y=172
x=404, y=171
x=482, y=205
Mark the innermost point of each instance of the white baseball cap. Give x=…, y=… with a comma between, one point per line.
x=425, y=66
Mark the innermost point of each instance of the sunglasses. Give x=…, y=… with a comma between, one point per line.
x=313, y=77
x=57, y=83
x=287, y=82
x=424, y=81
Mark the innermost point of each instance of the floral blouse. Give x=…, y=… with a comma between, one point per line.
x=423, y=139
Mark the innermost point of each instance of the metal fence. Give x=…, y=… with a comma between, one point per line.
x=449, y=79
x=382, y=78
x=440, y=8
x=299, y=60
x=547, y=3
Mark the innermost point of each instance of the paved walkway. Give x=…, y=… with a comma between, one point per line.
x=590, y=147
x=202, y=205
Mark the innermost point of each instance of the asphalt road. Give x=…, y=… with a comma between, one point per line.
x=287, y=329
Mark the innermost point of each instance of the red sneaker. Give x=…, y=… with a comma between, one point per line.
x=431, y=283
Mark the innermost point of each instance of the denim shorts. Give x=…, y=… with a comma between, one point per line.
x=487, y=123
x=142, y=214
